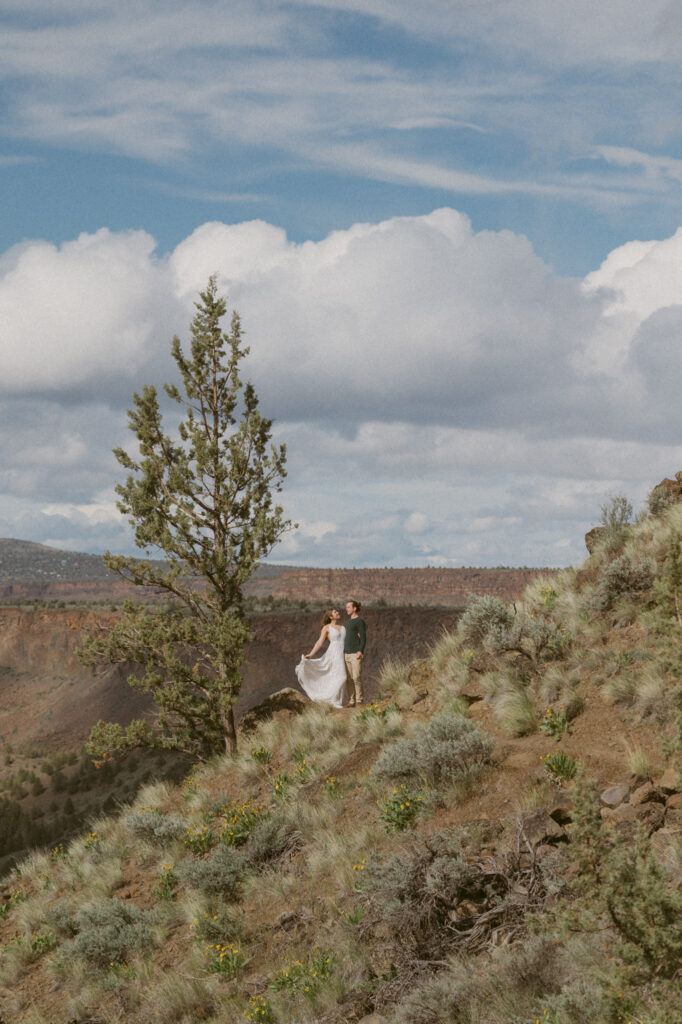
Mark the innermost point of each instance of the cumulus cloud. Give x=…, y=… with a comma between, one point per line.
x=443, y=393
x=80, y=314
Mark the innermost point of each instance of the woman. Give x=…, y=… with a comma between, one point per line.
x=324, y=679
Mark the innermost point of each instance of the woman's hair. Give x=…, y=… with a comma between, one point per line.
x=327, y=617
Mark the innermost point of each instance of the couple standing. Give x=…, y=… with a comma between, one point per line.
x=339, y=671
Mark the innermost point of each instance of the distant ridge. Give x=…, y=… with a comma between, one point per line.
x=25, y=561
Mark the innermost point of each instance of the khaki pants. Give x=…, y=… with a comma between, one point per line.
x=354, y=677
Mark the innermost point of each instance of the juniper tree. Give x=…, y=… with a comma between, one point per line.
x=205, y=498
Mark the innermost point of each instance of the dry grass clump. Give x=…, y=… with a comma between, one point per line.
x=514, y=711
x=637, y=759
x=512, y=988
x=448, y=666
x=172, y=998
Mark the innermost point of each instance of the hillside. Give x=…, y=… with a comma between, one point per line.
x=496, y=839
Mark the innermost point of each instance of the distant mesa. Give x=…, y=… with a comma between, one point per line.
x=30, y=571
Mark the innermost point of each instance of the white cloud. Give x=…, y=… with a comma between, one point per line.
x=164, y=82
x=80, y=314
x=442, y=392
x=416, y=522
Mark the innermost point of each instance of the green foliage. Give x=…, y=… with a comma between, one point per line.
x=304, y=975
x=204, y=497
x=259, y=1009
x=399, y=810
x=225, y=959
x=220, y=875
x=448, y=748
x=167, y=883
x=560, y=766
x=622, y=880
x=645, y=910
x=219, y=927
x=239, y=821
x=280, y=786
x=109, y=933
x=374, y=710
x=199, y=838
x=554, y=723
x=260, y=755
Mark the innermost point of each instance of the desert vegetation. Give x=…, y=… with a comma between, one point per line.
x=496, y=838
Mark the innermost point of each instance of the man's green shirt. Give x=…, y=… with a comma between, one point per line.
x=356, y=636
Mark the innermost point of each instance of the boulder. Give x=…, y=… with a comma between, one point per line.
x=560, y=807
x=626, y=817
x=472, y=691
x=592, y=537
x=615, y=795
x=670, y=489
x=288, y=700
x=646, y=794
x=668, y=780
x=540, y=828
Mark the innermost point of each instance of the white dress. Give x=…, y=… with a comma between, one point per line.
x=324, y=679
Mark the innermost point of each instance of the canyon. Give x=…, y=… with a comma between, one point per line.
x=48, y=699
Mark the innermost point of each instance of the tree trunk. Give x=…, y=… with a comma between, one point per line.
x=229, y=731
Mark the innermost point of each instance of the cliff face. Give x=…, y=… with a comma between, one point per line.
x=448, y=588
x=48, y=698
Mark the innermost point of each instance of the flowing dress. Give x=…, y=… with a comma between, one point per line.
x=324, y=679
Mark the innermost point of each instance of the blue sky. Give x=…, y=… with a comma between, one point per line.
x=451, y=230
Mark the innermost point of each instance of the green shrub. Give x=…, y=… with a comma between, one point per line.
x=621, y=577
x=449, y=748
x=400, y=810
x=507, y=990
x=560, y=766
x=492, y=625
x=615, y=518
x=220, y=875
x=484, y=615
x=239, y=821
x=61, y=919
x=272, y=839
x=109, y=933
x=644, y=909
x=155, y=827
x=430, y=895
x=554, y=723
x=219, y=927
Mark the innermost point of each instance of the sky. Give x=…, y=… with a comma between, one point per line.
x=453, y=231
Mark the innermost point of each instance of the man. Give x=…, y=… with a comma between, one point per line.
x=353, y=650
